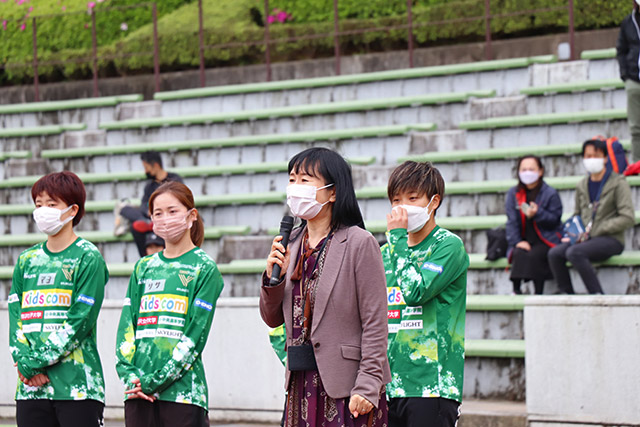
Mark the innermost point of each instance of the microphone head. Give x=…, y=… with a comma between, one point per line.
x=287, y=222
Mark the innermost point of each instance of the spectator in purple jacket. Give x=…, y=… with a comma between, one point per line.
x=534, y=225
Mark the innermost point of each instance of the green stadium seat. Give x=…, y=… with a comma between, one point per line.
x=512, y=349
x=15, y=155
x=298, y=110
x=97, y=237
x=411, y=73
x=72, y=104
x=584, y=86
x=545, y=119
x=237, y=141
x=500, y=153
x=599, y=54
x=186, y=172
x=40, y=130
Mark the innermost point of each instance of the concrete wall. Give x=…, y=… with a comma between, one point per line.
x=582, y=360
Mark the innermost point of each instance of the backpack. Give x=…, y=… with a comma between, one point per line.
x=496, y=243
x=615, y=153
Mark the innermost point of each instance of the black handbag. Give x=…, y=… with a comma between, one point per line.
x=301, y=357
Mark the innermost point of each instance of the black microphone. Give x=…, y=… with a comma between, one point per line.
x=285, y=230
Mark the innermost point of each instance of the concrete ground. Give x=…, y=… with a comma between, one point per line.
x=475, y=413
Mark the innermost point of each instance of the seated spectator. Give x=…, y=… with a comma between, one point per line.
x=137, y=218
x=534, y=225
x=603, y=202
x=153, y=244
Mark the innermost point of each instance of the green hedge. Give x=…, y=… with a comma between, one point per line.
x=238, y=21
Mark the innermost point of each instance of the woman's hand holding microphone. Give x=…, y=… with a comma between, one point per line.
x=278, y=256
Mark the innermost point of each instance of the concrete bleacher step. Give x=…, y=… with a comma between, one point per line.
x=90, y=111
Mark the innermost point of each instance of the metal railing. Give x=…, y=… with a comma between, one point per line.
x=267, y=41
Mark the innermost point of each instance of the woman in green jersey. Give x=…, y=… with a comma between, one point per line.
x=166, y=319
x=56, y=295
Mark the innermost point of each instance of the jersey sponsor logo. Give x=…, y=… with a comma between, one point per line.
x=68, y=273
x=185, y=279
x=203, y=304
x=13, y=298
x=168, y=333
x=55, y=314
x=86, y=299
x=158, y=333
x=126, y=302
x=47, y=298
x=151, y=285
x=411, y=311
x=394, y=296
x=29, y=276
x=51, y=327
x=393, y=314
x=150, y=320
x=45, y=279
x=405, y=324
x=170, y=320
x=164, y=302
x=432, y=267
x=31, y=327
x=29, y=315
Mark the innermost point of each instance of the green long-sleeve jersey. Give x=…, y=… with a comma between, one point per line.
x=427, y=292
x=54, y=303
x=165, y=324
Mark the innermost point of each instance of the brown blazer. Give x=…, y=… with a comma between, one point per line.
x=349, y=329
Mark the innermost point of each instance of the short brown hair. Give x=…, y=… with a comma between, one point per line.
x=64, y=186
x=185, y=197
x=420, y=177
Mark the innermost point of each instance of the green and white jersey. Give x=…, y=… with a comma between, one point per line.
x=54, y=303
x=165, y=324
x=426, y=294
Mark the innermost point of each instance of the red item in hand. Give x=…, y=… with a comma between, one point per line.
x=142, y=226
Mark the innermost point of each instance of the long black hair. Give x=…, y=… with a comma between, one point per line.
x=333, y=169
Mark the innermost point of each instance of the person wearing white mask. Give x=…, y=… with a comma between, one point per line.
x=166, y=319
x=54, y=301
x=603, y=202
x=534, y=225
x=331, y=298
x=426, y=268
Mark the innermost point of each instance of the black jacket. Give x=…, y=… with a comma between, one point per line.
x=628, y=47
x=152, y=186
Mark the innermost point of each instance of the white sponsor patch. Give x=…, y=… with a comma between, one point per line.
x=151, y=285
x=46, y=279
x=168, y=333
x=32, y=327
x=411, y=311
x=145, y=333
x=51, y=327
x=411, y=324
x=394, y=328
x=55, y=314
x=126, y=302
x=13, y=298
x=170, y=320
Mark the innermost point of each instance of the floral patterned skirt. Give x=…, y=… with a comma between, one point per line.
x=308, y=405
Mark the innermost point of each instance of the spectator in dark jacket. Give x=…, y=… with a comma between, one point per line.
x=628, y=50
x=534, y=225
x=603, y=202
x=137, y=217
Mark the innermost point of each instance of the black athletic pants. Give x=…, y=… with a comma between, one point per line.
x=59, y=413
x=133, y=214
x=142, y=413
x=423, y=412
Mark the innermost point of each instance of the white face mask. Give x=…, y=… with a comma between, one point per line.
x=593, y=165
x=301, y=199
x=529, y=177
x=417, y=216
x=48, y=219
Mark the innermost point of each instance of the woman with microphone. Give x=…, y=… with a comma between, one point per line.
x=166, y=319
x=331, y=296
